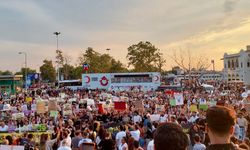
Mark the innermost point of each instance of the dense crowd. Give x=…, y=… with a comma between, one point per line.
x=135, y=127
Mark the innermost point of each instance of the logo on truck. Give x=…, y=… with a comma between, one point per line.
x=104, y=81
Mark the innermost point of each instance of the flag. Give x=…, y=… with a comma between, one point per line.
x=179, y=100
x=86, y=67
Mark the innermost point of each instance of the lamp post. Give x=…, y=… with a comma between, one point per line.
x=58, y=69
x=25, y=62
x=212, y=61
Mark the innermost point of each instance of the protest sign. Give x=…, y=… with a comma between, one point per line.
x=16, y=116
x=172, y=102
x=138, y=104
x=155, y=117
x=120, y=106
x=40, y=107
x=160, y=108
x=33, y=107
x=53, y=113
x=179, y=100
x=52, y=105
x=6, y=107
x=90, y=102
x=24, y=107
x=193, y=108
x=203, y=106
x=212, y=103
x=67, y=109
x=28, y=99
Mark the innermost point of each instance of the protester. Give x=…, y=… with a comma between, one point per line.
x=91, y=116
x=220, y=130
x=170, y=136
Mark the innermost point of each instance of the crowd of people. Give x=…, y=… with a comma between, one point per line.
x=155, y=124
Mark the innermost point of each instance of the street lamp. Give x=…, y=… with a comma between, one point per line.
x=25, y=62
x=58, y=69
x=212, y=61
x=57, y=34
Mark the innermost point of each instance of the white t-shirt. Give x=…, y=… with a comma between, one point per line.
x=68, y=141
x=199, y=146
x=119, y=137
x=5, y=128
x=150, y=145
x=64, y=148
x=135, y=134
x=123, y=147
x=137, y=118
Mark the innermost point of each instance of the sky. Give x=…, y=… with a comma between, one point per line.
x=207, y=28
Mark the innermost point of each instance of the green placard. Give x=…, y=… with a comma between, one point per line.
x=203, y=107
x=172, y=102
x=53, y=113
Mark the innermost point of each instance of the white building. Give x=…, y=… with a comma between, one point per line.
x=237, y=66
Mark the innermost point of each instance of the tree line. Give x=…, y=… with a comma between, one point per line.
x=142, y=57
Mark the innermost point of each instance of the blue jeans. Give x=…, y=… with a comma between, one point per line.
x=242, y=133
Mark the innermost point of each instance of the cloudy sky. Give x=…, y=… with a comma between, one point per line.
x=205, y=27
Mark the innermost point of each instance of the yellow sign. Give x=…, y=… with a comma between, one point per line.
x=28, y=99
x=193, y=108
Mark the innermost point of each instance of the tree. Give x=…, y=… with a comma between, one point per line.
x=145, y=57
x=6, y=72
x=189, y=62
x=48, y=72
x=117, y=66
x=100, y=63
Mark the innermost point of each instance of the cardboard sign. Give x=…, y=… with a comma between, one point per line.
x=52, y=105
x=193, y=108
x=90, y=102
x=33, y=107
x=40, y=107
x=155, y=117
x=53, y=113
x=139, y=104
x=160, y=108
x=17, y=116
x=28, y=99
x=67, y=109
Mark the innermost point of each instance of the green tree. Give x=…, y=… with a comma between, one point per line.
x=117, y=66
x=48, y=72
x=145, y=57
x=6, y=72
x=101, y=63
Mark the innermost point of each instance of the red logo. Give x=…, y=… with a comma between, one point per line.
x=104, y=81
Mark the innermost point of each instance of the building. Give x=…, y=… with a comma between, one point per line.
x=237, y=66
x=10, y=83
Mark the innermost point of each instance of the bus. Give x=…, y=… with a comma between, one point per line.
x=71, y=84
x=122, y=81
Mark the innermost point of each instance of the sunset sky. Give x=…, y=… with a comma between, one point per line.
x=205, y=27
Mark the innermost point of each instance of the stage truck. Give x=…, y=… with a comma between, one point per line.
x=122, y=81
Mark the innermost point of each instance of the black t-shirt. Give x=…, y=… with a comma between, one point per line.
x=222, y=147
x=106, y=144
